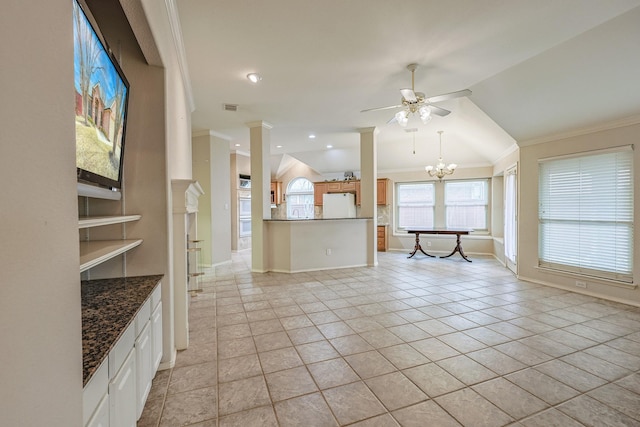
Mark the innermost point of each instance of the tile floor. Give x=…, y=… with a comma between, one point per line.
x=419, y=342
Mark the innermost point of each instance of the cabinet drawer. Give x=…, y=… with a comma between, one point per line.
x=143, y=316
x=156, y=296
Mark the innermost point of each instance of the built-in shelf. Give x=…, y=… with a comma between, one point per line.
x=98, y=251
x=97, y=221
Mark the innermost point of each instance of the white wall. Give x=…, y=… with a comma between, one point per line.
x=211, y=168
x=40, y=321
x=528, y=211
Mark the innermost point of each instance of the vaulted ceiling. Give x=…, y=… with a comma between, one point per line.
x=536, y=68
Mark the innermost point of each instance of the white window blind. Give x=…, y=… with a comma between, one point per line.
x=415, y=205
x=586, y=214
x=466, y=204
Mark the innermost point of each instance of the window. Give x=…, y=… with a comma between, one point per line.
x=415, y=205
x=300, y=199
x=586, y=214
x=466, y=204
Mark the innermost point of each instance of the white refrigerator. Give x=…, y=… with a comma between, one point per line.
x=338, y=205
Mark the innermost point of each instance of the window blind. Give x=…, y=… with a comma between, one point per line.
x=415, y=205
x=586, y=214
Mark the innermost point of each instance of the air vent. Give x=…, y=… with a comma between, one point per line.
x=230, y=107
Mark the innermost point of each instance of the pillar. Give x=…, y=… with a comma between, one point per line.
x=260, y=146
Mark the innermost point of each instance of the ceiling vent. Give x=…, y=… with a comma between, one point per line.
x=230, y=107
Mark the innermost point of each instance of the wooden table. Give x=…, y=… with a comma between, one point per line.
x=458, y=247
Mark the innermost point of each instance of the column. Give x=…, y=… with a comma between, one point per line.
x=368, y=193
x=260, y=146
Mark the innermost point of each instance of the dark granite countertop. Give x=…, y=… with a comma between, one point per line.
x=108, y=307
x=315, y=219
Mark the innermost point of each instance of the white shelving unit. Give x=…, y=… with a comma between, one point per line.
x=96, y=252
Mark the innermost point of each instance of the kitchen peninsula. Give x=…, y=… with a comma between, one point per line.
x=317, y=244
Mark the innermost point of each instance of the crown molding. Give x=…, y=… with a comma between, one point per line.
x=176, y=32
x=209, y=132
x=258, y=124
x=627, y=121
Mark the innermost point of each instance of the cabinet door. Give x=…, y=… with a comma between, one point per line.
x=122, y=394
x=382, y=191
x=335, y=187
x=348, y=186
x=319, y=189
x=144, y=365
x=100, y=417
x=156, y=337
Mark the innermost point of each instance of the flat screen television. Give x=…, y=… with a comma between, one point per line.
x=101, y=99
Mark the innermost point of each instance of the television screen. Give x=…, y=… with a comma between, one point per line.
x=101, y=96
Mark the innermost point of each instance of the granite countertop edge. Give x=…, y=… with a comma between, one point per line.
x=315, y=219
x=108, y=308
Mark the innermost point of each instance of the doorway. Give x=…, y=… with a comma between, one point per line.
x=511, y=219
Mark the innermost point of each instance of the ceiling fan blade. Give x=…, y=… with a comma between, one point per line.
x=382, y=108
x=409, y=95
x=438, y=111
x=447, y=96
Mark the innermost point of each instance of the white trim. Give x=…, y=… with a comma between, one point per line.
x=169, y=364
x=209, y=132
x=258, y=124
x=596, y=279
x=176, y=32
x=507, y=152
x=579, y=291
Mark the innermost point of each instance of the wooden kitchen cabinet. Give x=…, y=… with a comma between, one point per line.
x=383, y=243
x=319, y=189
x=352, y=186
x=276, y=192
x=382, y=193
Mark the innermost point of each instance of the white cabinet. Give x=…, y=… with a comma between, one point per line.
x=156, y=336
x=95, y=398
x=144, y=373
x=117, y=391
x=100, y=417
x=122, y=394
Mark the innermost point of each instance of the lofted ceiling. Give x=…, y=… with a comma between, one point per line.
x=536, y=68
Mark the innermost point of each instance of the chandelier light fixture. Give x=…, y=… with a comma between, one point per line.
x=440, y=170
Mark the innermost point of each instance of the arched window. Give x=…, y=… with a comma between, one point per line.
x=300, y=199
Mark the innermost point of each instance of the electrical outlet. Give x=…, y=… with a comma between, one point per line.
x=581, y=284
x=328, y=251
x=428, y=243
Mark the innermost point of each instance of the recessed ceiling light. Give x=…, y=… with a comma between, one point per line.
x=237, y=145
x=254, y=77
x=312, y=136
x=278, y=146
x=329, y=146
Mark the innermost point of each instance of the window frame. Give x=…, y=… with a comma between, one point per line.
x=398, y=203
x=485, y=203
x=291, y=192
x=577, y=201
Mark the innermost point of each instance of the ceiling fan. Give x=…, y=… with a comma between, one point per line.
x=417, y=102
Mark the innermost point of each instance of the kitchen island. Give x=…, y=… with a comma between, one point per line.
x=318, y=244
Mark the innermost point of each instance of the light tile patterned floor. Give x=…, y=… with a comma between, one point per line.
x=419, y=342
